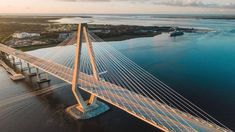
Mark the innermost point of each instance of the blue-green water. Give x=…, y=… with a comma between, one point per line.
x=200, y=66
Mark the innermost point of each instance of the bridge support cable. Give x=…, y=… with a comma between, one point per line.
x=98, y=57
x=153, y=79
x=141, y=86
x=113, y=98
x=136, y=86
x=137, y=69
x=174, y=94
x=121, y=92
x=131, y=68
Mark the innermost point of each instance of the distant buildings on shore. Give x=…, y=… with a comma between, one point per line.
x=25, y=39
x=25, y=35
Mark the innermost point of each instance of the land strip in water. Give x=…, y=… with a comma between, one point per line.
x=51, y=34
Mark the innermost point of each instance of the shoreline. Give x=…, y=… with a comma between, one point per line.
x=121, y=38
x=52, y=34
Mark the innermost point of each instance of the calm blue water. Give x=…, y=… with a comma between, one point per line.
x=200, y=66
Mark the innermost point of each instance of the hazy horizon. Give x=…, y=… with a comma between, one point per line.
x=117, y=6
x=91, y=14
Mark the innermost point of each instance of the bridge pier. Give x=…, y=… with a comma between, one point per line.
x=8, y=56
x=14, y=76
x=30, y=73
x=25, y=68
x=13, y=61
x=4, y=56
x=39, y=77
x=18, y=63
x=92, y=107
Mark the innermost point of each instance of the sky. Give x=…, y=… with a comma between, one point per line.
x=118, y=6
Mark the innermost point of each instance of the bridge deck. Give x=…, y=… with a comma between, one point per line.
x=151, y=111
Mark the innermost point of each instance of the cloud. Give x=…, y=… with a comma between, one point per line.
x=195, y=3
x=190, y=3
x=93, y=0
x=184, y=3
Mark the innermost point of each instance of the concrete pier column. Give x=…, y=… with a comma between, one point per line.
x=42, y=77
x=13, y=61
x=47, y=78
x=6, y=56
x=29, y=68
x=38, y=75
x=21, y=65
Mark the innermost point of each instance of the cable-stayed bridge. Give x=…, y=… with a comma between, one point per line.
x=107, y=74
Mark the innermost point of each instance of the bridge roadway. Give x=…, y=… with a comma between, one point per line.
x=151, y=111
